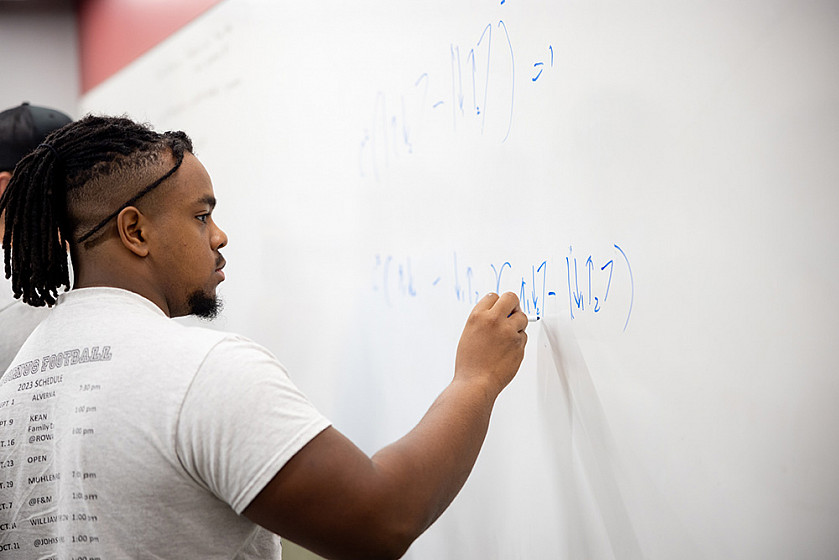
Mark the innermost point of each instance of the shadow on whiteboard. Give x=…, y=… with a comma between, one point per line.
x=634, y=518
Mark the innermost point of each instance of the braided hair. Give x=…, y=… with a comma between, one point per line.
x=59, y=186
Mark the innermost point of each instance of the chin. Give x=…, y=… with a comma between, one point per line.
x=204, y=305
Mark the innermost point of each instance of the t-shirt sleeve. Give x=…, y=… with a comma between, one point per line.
x=242, y=419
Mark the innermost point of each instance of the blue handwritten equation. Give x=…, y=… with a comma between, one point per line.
x=584, y=283
x=479, y=93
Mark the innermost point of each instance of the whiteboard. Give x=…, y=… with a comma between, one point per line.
x=657, y=180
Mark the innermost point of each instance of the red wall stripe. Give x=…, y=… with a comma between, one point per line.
x=113, y=33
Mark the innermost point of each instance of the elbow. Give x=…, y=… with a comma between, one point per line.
x=363, y=547
x=397, y=545
x=373, y=542
x=389, y=536
x=388, y=552
x=374, y=537
x=391, y=541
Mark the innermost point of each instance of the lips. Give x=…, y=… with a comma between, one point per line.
x=220, y=264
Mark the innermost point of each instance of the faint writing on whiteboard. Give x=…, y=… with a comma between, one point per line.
x=208, y=65
x=576, y=284
x=479, y=93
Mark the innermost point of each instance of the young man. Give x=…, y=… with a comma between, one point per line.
x=131, y=435
x=22, y=128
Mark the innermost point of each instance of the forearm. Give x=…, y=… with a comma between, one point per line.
x=426, y=468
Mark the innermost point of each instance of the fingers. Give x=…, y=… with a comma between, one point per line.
x=487, y=302
x=505, y=305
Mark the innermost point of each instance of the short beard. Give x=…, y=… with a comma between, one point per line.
x=204, y=306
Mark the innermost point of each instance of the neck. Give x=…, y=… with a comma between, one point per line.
x=125, y=275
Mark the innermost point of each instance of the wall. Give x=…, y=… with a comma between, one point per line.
x=39, y=56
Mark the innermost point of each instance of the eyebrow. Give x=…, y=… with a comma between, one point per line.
x=208, y=200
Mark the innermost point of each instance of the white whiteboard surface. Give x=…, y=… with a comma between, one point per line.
x=658, y=180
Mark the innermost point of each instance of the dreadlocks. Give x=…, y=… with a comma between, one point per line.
x=60, y=186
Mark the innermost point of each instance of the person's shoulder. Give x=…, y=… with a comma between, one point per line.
x=233, y=350
x=199, y=338
x=201, y=329
x=233, y=341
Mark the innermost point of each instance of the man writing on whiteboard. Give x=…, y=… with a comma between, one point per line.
x=22, y=128
x=131, y=435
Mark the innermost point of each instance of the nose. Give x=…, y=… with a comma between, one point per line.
x=219, y=238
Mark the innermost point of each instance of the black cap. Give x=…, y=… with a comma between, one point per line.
x=23, y=128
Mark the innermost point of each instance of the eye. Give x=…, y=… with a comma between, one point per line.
x=202, y=217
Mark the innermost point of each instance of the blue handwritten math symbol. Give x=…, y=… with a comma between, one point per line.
x=406, y=279
x=577, y=293
x=498, y=272
x=541, y=65
x=458, y=291
x=631, y=286
x=538, y=303
x=389, y=284
x=533, y=303
x=469, y=293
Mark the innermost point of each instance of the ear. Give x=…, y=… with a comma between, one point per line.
x=130, y=224
x=5, y=177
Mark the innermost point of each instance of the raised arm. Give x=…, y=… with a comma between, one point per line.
x=336, y=501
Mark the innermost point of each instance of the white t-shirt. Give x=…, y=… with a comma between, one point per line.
x=124, y=434
x=17, y=320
